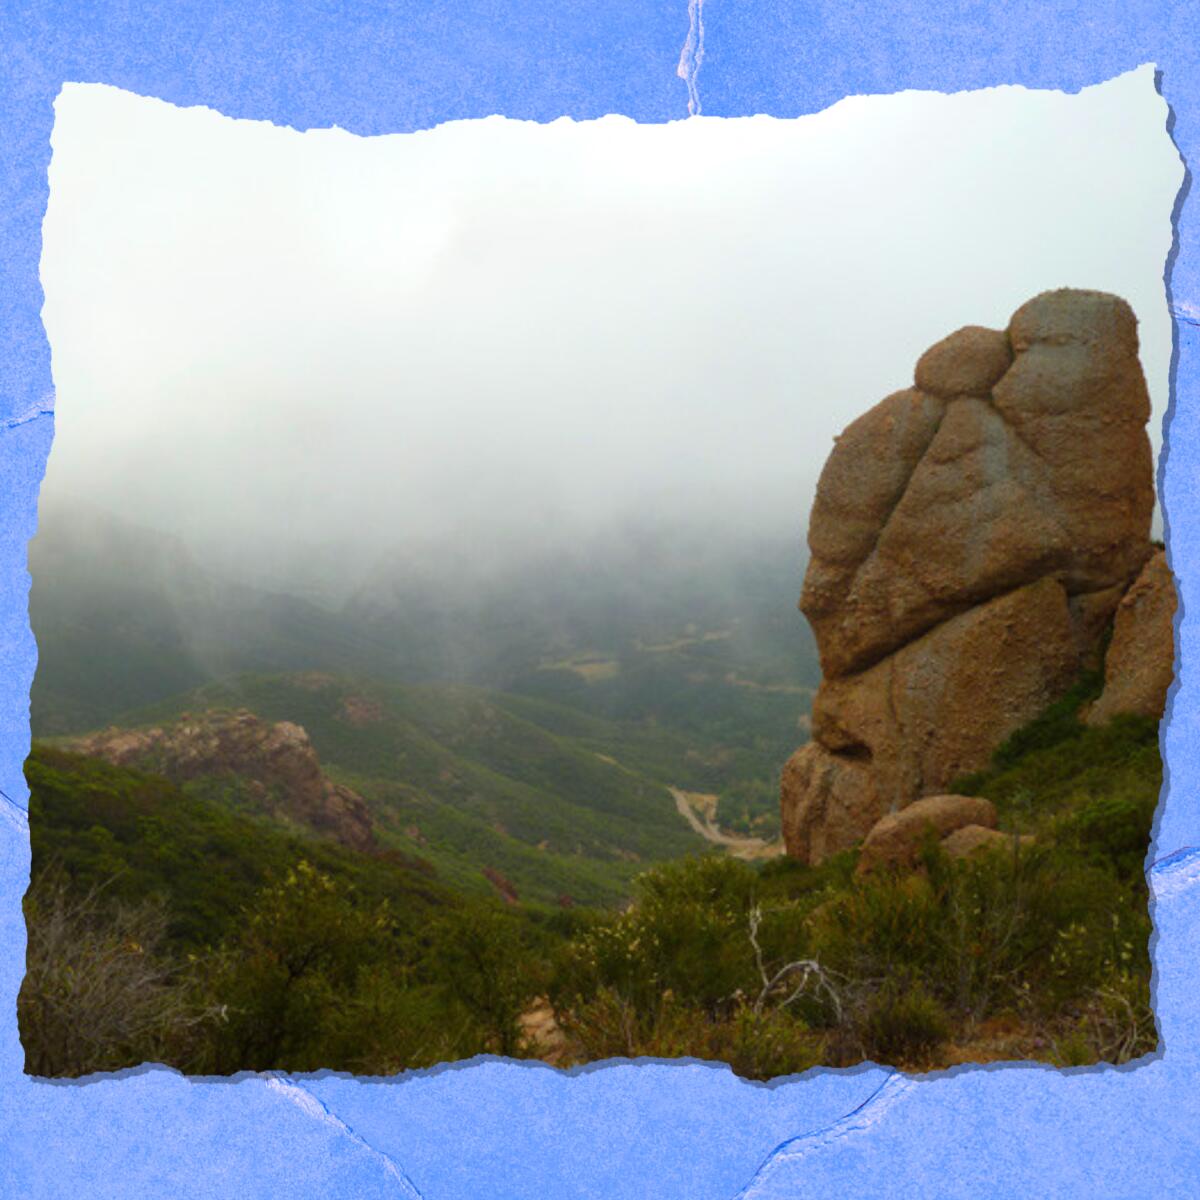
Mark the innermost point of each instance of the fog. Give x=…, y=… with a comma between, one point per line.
x=302, y=351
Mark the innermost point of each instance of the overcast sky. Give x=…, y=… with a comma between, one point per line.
x=499, y=331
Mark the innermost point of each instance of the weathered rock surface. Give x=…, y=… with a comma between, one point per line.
x=970, y=540
x=938, y=706
x=1140, y=662
x=967, y=363
x=896, y=839
x=828, y=802
x=275, y=762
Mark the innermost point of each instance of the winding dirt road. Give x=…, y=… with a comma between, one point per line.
x=699, y=810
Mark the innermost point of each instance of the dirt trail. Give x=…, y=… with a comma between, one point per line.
x=699, y=810
x=542, y=1034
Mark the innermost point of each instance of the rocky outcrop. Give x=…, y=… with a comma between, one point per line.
x=273, y=762
x=970, y=540
x=1140, y=662
x=897, y=839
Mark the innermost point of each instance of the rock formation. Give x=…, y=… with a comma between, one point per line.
x=275, y=762
x=971, y=538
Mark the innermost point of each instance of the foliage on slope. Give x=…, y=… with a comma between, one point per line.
x=163, y=927
x=1025, y=952
x=272, y=950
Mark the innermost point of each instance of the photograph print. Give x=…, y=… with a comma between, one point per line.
x=596, y=591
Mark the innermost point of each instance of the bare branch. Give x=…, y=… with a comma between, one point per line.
x=807, y=968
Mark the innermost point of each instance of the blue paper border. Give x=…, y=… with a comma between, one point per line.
x=498, y=1130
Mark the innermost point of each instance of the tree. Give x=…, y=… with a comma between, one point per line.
x=483, y=960
x=290, y=967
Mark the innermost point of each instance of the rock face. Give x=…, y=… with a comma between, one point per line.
x=970, y=540
x=1139, y=666
x=275, y=762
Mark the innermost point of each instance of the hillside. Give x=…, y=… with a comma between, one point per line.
x=138, y=835
x=1014, y=949
x=164, y=927
x=1011, y=951
x=125, y=616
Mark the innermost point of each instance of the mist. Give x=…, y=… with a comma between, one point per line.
x=310, y=354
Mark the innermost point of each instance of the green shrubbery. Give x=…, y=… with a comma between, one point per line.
x=1052, y=938
x=252, y=948
x=309, y=976
x=266, y=950
x=902, y=1022
x=888, y=967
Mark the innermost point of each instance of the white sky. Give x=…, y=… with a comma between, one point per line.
x=498, y=331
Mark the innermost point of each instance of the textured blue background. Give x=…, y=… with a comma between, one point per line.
x=489, y=1129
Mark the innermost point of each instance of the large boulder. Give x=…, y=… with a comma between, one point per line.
x=932, y=502
x=926, y=715
x=1140, y=662
x=971, y=538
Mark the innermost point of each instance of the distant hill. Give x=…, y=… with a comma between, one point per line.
x=684, y=657
x=124, y=616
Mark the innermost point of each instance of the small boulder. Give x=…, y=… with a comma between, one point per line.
x=971, y=839
x=896, y=839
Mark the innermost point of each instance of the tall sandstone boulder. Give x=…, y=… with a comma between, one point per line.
x=971, y=539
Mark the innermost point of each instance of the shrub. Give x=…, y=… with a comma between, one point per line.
x=977, y=930
x=883, y=924
x=99, y=991
x=686, y=934
x=902, y=1024
x=488, y=967
x=285, y=970
x=1115, y=828
x=1115, y=1024
x=769, y=1044
x=388, y=1024
x=755, y=1045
